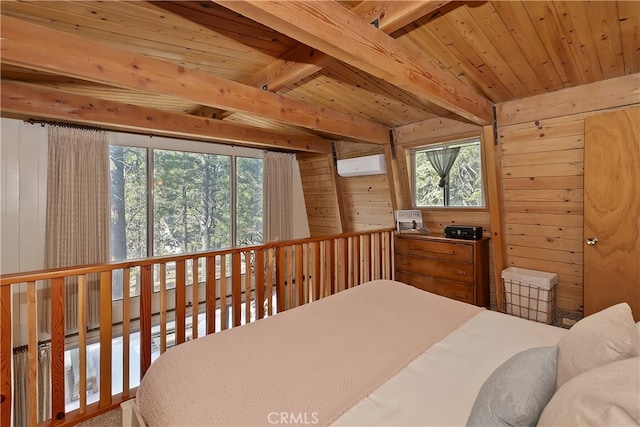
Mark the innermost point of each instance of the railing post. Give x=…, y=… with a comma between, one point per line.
x=57, y=350
x=82, y=340
x=223, y=292
x=236, y=288
x=280, y=292
x=145, y=318
x=194, y=297
x=126, y=329
x=259, y=271
x=32, y=353
x=299, y=276
x=6, y=358
x=106, y=335
x=181, y=301
x=211, y=294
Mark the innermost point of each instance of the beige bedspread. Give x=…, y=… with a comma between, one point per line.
x=308, y=365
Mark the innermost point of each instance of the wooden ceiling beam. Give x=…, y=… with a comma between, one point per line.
x=327, y=26
x=25, y=101
x=33, y=46
x=432, y=129
x=303, y=61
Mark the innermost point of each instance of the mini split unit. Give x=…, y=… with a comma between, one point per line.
x=359, y=166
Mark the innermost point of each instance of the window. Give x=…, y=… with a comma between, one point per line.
x=166, y=202
x=448, y=175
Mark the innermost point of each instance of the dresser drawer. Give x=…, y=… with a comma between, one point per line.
x=434, y=267
x=446, y=288
x=446, y=251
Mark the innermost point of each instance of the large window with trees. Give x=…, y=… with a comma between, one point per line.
x=448, y=175
x=166, y=202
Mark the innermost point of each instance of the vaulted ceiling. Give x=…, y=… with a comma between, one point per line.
x=292, y=74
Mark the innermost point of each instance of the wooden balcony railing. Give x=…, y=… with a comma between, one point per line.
x=162, y=302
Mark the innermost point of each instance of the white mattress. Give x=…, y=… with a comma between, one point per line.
x=439, y=387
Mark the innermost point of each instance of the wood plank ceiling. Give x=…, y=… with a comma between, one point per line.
x=301, y=72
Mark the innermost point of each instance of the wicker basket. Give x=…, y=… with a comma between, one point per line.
x=529, y=294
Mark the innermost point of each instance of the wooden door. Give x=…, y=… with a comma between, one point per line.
x=612, y=210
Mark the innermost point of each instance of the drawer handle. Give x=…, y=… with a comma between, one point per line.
x=461, y=295
x=460, y=272
x=433, y=251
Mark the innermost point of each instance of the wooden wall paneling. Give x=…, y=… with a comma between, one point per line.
x=587, y=98
x=544, y=197
x=398, y=178
x=320, y=193
x=436, y=219
x=542, y=169
x=368, y=202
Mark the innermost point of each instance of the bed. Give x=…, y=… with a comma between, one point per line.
x=382, y=353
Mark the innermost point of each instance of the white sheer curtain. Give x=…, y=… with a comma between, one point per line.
x=278, y=198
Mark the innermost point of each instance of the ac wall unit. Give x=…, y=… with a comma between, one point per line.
x=359, y=166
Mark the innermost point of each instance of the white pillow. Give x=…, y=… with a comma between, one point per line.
x=601, y=338
x=604, y=396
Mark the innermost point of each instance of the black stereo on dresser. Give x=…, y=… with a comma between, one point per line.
x=466, y=232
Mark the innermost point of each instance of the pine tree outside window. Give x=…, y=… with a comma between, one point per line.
x=448, y=175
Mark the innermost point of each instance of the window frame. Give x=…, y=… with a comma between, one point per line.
x=445, y=142
x=150, y=143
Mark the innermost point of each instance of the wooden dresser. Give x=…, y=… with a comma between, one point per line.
x=453, y=268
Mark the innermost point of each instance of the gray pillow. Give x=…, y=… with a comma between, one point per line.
x=518, y=390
